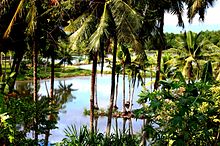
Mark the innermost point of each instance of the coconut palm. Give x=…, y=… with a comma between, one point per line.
x=198, y=7
x=113, y=25
x=154, y=16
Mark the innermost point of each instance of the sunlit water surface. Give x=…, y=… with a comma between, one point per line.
x=72, y=114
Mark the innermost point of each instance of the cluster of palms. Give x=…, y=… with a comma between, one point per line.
x=126, y=23
x=96, y=28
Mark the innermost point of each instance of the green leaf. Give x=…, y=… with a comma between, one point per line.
x=6, y=89
x=12, y=74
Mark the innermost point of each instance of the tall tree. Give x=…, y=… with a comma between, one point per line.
x=115, y=23
x=157, y=9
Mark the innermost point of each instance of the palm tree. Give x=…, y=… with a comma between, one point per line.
x=198, y=6
x=9, y=13
x=112, y=25
x=158, y=10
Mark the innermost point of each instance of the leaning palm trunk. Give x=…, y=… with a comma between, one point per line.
x=15, y=68
x=159, y=55
x=94, y=68
x=108, y=129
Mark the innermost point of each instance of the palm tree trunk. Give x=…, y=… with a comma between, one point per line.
x=108, y=128
x=52, y=75
x=124, y=125
x=144, y=134
x=0, y=63
x=116, y=92
x=35, y=97
x=116, y=126
x=132, y=97
x=10, y=59
x=96, y=98
x=94, y=69
x=160, y=49
x=151, y=78
x=123, y=86
x=96, y=125
x=131, y=132
x=15, y=68
x=5, y=64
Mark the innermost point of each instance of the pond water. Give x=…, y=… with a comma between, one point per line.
x=72, y=114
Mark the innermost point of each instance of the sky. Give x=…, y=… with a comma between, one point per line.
x=212, y=21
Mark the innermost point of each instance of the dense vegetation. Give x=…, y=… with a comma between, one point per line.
x=181, y=109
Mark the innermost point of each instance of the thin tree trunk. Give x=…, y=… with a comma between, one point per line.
x=132, y=97
x=160, y=49
x=35, y=97
x=0, y=64
x=52, y=75
x=15, y=68
x=129, y=89
x=151, y=78
x=10, y=60
x=116, y=126
x=123, y=86
x=94, y=69
x=124, y=125
x=96, y=124
x=131, y=127
x=96, y=98
x=116, y=93
x=144, y=134
x=108, y=128
x=5, y=64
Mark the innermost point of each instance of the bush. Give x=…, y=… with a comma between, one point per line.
x=183, y=113
x=85, y=138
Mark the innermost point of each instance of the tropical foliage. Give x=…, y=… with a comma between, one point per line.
x=183, y=113
x=183, y=109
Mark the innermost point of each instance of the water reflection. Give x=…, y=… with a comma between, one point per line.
x=74, y=101
x=64, y=94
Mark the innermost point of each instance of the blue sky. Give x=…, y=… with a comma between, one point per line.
x=212, y=21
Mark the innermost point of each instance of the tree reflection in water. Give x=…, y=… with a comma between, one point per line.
x=48, y=107
x=63, y=94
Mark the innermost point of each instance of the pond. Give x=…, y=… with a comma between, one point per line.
x=72, y=114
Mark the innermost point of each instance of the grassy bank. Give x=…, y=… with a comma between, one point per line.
x=60, y=72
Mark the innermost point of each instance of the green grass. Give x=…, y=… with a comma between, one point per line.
x=69, y=71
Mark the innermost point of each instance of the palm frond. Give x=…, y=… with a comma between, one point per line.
x=102, y=34
x=198, y=6
x=77, y=23
x=83, y=33
x=31, y=19
x=103, y=31
x=128, y=23
x=177, y=8
x=18, y=10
